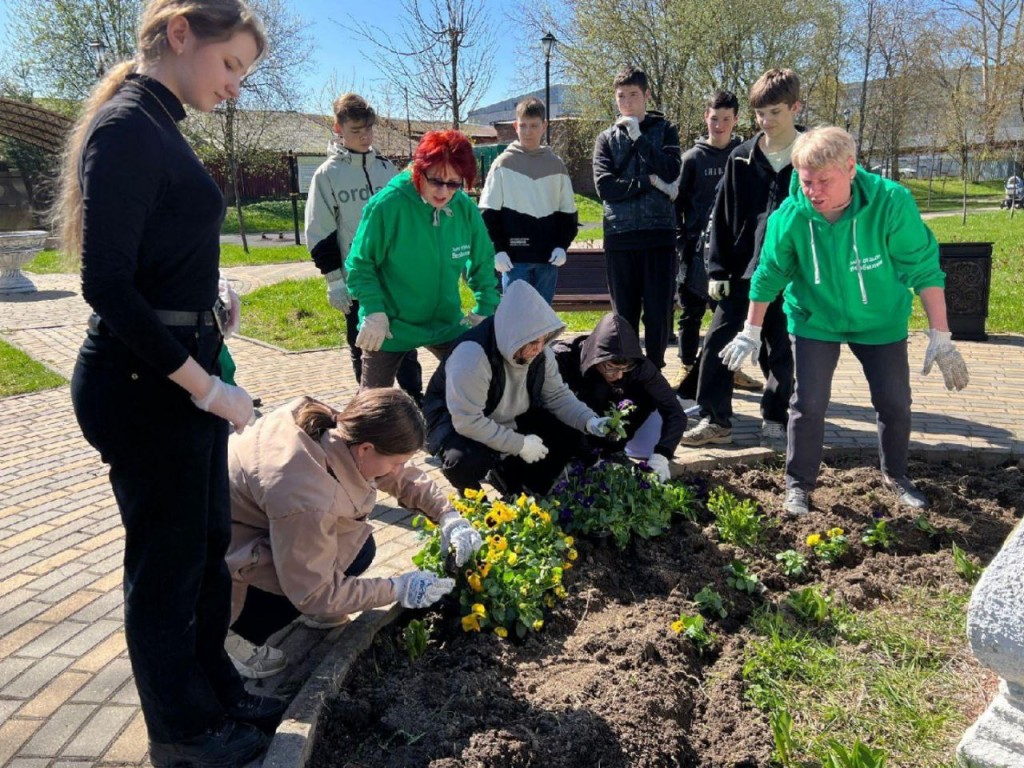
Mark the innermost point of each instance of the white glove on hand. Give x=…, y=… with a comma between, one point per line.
x=457, y=533
x=632, y=126
x=718, y=289
x=659, y=465
x=558, y=257
x=747, y=342
x=943, y=351
x=472, y=320
x=672, y=190
x=598, y=426
x=533, y=449
x=233, y=303
x=229, y=402
x=337, y=292
x=502, y=262
x=681, y=274
x=375, y=329
x=418, y=589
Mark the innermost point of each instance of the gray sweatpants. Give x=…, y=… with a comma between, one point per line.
x=888, y=373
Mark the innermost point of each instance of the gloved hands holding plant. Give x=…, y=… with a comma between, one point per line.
x=458, y=534
x=659, y=465
x=419, y=589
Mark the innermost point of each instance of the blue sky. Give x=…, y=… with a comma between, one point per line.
x=343, y=59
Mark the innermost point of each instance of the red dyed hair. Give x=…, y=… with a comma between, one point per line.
x=439, y=148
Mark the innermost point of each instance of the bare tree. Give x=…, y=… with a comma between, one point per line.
x=443, y=56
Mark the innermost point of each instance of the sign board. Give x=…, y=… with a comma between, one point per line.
x=307, y=166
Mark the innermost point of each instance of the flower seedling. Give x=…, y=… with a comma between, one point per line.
x=739, y=577
x=809, y=604
x=878, y=535
x=966, y=568
x=618, y=419
x=860, y=756
x=693, y=629
x=792, y=563
x=738, y=522
x=782, y=735
x=415, y=637
x=709, y=602
x=922, y=524
x=830, y=547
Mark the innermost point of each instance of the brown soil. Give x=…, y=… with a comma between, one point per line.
x=607, y=683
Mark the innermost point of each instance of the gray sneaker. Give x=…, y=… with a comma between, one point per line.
x=773, y=435
x=906, y=492
x=707, y=432
x=252, y=661
x=798, y=502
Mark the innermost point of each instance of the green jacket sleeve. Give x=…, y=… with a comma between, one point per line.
x=912, y=246
x=480, y=271
x=778, y=261
x=368, y=251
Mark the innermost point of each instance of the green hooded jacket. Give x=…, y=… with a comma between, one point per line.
x=406, y=260
x=849, y=281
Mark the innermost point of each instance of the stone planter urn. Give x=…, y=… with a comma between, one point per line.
x=16, y=250
x=995, y=628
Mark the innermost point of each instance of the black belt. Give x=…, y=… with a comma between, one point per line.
x=171, y=317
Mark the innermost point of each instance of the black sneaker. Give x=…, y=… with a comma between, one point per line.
x=906, y=492
x=265, y=712
x=494, y=478
x=231, y=745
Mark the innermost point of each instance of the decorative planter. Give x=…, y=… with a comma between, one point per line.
x=16, y=250
x=995, y=628
x=968, y=268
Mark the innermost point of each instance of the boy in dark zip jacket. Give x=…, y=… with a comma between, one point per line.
x=845, y=247
x=755, y=183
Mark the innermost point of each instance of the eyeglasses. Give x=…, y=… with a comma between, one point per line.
x=607, y=366
x=454, y=186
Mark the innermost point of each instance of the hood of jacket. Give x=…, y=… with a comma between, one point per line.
x=613, y=338
x=703, y=146
x=523, y=316
x=405, y=186
x=337, y=150
x=515, y=148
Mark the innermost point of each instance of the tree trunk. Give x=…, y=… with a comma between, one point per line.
x=229, y=152
x=455, y=78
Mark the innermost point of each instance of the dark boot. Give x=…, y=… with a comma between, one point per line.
x=265, y=712
x=231, y=745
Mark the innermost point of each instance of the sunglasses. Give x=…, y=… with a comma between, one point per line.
x=452, y=185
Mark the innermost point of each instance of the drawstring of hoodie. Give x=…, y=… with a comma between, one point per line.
x=860, y=270
x=446, y=209
x=814, y=254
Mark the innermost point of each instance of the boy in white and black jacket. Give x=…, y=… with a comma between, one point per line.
x=528, y=206
x=352, y=173
x=636, y=162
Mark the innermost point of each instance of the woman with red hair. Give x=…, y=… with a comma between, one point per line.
x=417, y=236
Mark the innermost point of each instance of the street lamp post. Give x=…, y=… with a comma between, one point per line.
x=847, y=113
x=99, y=56
x=548, y=41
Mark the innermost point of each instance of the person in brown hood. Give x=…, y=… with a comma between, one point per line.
x=607, y=367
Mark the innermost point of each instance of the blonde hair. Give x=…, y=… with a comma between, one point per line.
x=823, y=146
x=213, y=20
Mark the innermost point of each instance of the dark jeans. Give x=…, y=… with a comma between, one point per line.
x=888, y=373
x=168, y=471
x=643, y=282
x=693, y=305
x=715, y=383
x=410, y=374
x=466, y=461
x=380, y=367
x=264, y=613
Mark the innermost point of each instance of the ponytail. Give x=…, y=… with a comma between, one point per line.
x=314, y=418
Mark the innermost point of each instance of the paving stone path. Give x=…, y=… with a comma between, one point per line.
x=66, y=693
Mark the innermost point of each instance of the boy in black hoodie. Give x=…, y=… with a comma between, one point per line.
x=636, y=162
x=755, y=183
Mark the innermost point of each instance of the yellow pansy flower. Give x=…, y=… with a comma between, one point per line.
x=549, y=601
x=472, y=493
x=511, y=557
x=501, y=632
x=538, y=624
x=678, y=626
x=572, y=554
x=485, y=569
x=544, y=516
x=491, y=520
x=498, y=542
x=566, y=565
x=521, y=501
x=569, y=541
x=471, y=623
x=814, y=540
x=478, y=609
x=535, y=509
x=560, y=591
x=474, y=582
x=833, y=532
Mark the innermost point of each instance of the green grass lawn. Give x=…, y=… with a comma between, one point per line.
x=947, y=193
x=19, y=373
x=264, y=216
x=50, y=262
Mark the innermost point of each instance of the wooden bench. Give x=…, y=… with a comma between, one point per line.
x=583, y=282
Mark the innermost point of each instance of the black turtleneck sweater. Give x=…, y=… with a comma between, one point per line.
x=152, y=216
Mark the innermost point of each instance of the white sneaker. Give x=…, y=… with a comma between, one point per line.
x=254, y=662
x=707, y=432
x=773, y=435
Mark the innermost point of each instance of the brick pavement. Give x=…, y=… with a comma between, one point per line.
x=66, y=694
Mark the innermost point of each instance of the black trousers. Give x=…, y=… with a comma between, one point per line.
x=168, y=471
x=642, y=282
x=888, y=373
x=264, y=613
x=410, y=373
x=693, y=305
x=715, y=383
x=466, y=461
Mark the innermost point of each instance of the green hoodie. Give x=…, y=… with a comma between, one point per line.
x=406, y=259
x=848, y=281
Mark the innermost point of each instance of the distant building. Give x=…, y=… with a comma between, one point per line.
x=505, y=111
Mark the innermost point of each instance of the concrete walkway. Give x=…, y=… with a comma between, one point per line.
x=66, y=693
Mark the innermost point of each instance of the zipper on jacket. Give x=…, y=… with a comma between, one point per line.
x=366, y=173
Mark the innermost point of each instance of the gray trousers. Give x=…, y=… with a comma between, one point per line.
x=888, y=373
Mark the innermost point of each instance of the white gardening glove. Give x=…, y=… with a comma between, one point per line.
x=502, y=262
x=337, y=292
x=418, y=589
x=457, y=533
x=747, y=342
x=558, y=257
x=718, y=289
x=659, y=465
x=672, y=190
x=230, y=300
x=472, y=320
x=533, y=449
x=374, y=330
x=632, y=126
x=598, y=426
x=943, y=351
x=229, y=402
